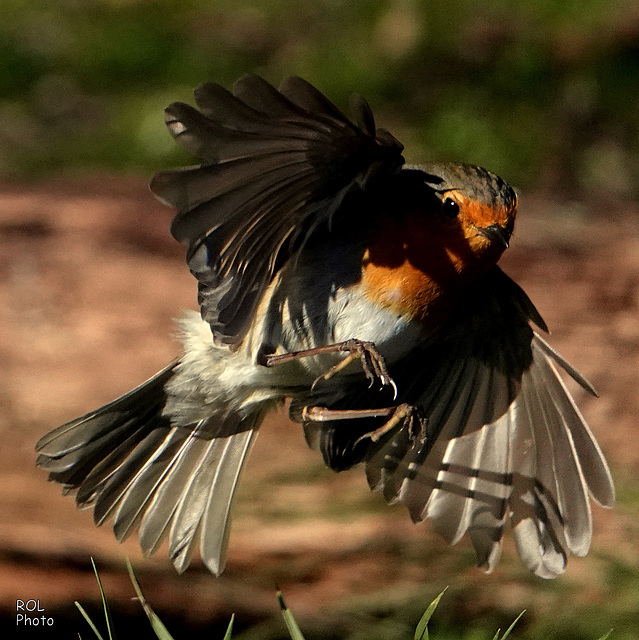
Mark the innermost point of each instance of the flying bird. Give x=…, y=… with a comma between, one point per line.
x=366, y=292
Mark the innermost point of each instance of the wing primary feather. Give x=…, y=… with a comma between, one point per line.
x=307, y=97
x=565, y=365
x=265, y=98
x=316, y=155
x=220, y=105
x=363, y=114
x=529, y=519
x=595, y=469
x=571, y=496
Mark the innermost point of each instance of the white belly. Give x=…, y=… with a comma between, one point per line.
x=318, y=306
x=298, y=321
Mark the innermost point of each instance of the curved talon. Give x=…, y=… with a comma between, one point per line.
x=373, y=363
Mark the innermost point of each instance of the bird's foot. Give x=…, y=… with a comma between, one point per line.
x=411, y=416
x=372, y=360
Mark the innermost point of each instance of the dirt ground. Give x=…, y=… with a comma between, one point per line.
x=90, y=281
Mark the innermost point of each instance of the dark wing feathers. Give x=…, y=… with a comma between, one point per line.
x=363, y=114
x=277, y=164
x=504, y=439
x=309, y=99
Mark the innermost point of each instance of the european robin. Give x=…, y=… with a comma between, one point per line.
x=368, y=293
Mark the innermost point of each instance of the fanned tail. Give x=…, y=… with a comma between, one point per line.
x=128, y=462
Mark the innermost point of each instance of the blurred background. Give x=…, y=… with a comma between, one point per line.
x=543, y=92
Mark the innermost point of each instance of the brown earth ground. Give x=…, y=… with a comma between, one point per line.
x=90, y=282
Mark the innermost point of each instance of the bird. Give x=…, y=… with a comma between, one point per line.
x=365, y=294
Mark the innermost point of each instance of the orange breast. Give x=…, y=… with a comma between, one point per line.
x=413, y=268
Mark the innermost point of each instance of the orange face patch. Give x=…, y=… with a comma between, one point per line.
x=418, y=263
x=476, y=214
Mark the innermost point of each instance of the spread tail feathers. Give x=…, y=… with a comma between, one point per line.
x=129, y=463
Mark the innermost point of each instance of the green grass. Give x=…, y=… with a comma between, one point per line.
x=421, y=632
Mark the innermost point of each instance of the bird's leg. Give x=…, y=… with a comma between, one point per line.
x=414, y=417
x=372, y=360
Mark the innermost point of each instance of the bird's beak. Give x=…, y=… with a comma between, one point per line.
x=496, y=233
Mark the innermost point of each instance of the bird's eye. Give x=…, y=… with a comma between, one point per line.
x=450, y=208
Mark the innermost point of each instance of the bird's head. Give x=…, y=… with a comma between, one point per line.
x=473, y=208
x=450, y=224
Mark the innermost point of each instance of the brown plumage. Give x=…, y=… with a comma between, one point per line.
x=313, y=248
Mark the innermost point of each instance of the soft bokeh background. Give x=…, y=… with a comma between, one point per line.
x=543, y=92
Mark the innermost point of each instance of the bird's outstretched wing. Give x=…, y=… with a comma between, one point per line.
x=276, y=165
x=504, y=441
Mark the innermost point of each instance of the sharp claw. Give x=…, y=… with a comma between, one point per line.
x=372, y=363
x=371, y=377
x=394, y=386
x=366, y=435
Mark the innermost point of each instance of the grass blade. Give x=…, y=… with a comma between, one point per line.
x=227, y=635
x=105, y=603
x=512, y=626
x=85, y=615
x=291, y=625
x=421, y=632
x=606, y=636
x=157, y=625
